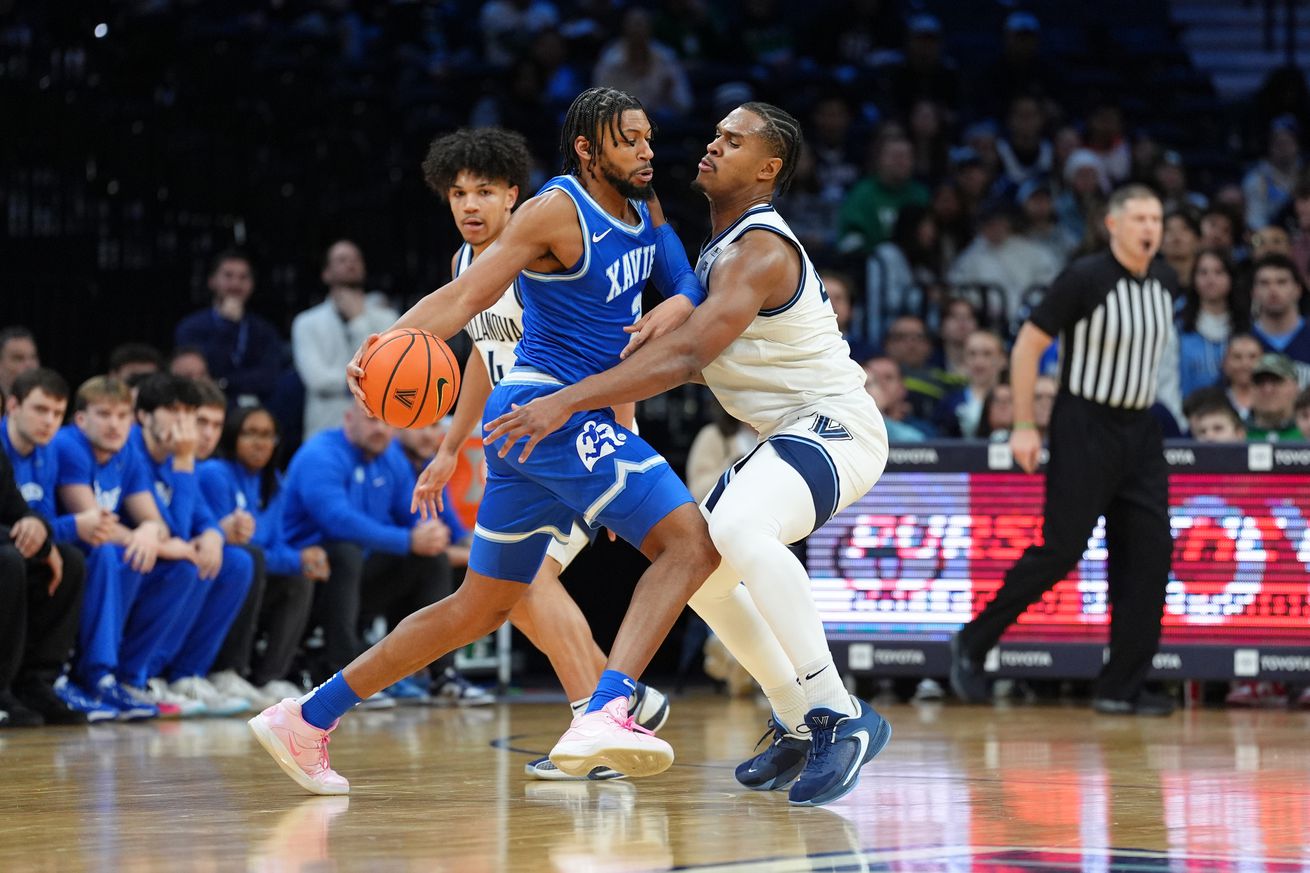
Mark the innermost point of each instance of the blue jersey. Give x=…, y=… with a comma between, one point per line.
x=176, y=492
x=573, y=321
x=117, y=478
x=226, y=486
x=37, y=476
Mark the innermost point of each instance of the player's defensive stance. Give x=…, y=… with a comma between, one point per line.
x=767, y=345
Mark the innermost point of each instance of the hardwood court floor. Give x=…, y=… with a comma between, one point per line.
x=960, y=789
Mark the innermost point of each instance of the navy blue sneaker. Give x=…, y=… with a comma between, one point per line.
x=779, y=764
x=649, y=706
x=840, y=746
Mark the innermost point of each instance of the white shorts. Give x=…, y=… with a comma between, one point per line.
x=839, y=453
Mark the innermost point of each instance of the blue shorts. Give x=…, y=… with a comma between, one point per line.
x=592, y=468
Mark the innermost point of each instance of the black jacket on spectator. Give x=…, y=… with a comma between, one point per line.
x=13, y=508
x=244, y=357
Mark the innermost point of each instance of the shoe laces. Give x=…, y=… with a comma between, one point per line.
x=773, y=729
x=630, y=724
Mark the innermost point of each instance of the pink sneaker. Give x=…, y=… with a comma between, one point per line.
x=611, y=738
x=299, y=748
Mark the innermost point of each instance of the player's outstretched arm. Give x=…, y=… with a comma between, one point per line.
x=758, y=267
x=537, y=237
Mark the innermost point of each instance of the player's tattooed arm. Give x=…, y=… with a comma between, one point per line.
x=759, y=271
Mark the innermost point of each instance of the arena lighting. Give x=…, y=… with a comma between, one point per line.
x=102, y=30
x=911, y=562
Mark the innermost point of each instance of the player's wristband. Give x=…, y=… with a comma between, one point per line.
x=1024, y=425
x=671, y=272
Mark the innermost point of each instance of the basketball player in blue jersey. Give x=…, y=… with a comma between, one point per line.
x=479, y=172
x=581, y=251
x=767, y=344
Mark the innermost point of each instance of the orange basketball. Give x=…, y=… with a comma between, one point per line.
x=411, y=378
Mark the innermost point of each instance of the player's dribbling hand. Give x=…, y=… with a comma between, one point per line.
x=664, y=318
x=355, y=371
x=534, y=422
x=427, y=500
x=1026, y=445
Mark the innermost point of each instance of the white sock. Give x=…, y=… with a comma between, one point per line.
x=822, y=686
x=789, y=705
x=728, y=609
x=578, y=707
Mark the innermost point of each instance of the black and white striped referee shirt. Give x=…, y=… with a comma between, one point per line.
x=1113, y=328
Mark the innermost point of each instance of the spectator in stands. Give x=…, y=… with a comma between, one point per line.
x=1021, y=68
x=1213, y=310
x=1039, y=223
x=838, y=287
x=1212, y=419
x=1182, y=242
x=925, y=73
x=959, y=321
x=1169, y=178
x=694, y=29
x=954, y=226
x=1271, y=240
x=717, y=446
x=165, y=442
x=346, y=492
x=811, y=215
x=960, y=412
x=17, y=355
x=1301, y=411
x=997, y=418
x=242, y=350
x=1268, y=185
x=129, y=362
x=765, y=35
x=869, y=212
x=41, y=578
x=984, y=137
x=1044, y=391
x=997, y=257
x=637, y=64
x=244, y=483
x=1220, y=230
x=971, y=179
x=137, y=588
x=508, y=26
x=1240, y=359
x=1273, y=417
x=855, y=33
x=836, y=164
x=1026, y=155
x=928, y=138
x=1280, y=304
x=1085, y=187
x=1106, y=140
x=1299, y=225
x=884, y=383
x=908, y=344
x=902, y=272
x=188, y=363
x=325, y=337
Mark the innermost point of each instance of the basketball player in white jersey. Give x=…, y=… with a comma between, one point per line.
x=480, y=173
x=766, y=343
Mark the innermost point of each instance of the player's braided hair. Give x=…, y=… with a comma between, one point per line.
x=590, y=116
x=783, y=134
x=493, y=152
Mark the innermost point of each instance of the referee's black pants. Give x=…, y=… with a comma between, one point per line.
x=1110, y=462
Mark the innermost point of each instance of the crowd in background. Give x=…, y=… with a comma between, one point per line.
x=938, y=199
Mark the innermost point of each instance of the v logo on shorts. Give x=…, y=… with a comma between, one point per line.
x=829, y=429
x=597, y=440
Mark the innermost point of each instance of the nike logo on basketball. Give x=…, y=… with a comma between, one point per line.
x=405, y=398
x=597, y=237
x=441, y=389
x=809, y=676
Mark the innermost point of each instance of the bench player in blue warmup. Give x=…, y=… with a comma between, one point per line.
x=581, y=251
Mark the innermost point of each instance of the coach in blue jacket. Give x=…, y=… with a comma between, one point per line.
x=346, y=492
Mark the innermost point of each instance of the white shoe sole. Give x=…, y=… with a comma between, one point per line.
x=284, y=760
x=578, y=759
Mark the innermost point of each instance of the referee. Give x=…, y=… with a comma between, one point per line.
x=1112, y=312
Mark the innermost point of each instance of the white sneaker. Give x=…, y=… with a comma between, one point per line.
x=229, y=682
x=280, y=689
x=218, y=703
x=452, y=689
x=378, y=701
x=928, y=690
x=161, y=695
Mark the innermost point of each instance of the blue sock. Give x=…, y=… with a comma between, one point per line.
x=328, y=702
x=612, y=684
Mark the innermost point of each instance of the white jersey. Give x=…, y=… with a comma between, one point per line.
x=790, y=361
x=497, y=330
